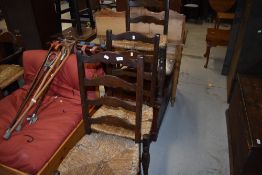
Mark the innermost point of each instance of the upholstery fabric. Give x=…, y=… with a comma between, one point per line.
x=102, y=154
x=29, y=149
x=128, y=116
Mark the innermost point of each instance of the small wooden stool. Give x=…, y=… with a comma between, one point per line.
x=215, y=37
x=9, y=73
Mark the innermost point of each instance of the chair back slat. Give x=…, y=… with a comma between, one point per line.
x=147, y=19
x=121, y=72
x=110, y=58
x=107, y=119
x=132, y=36
x=111, y=81
x=113, y=102
x=152, y=4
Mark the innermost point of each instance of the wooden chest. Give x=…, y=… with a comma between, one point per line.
x=244, y=122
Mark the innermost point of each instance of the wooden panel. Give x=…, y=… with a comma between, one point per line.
x=245, y=14
x=34, y=19
x=244, y=125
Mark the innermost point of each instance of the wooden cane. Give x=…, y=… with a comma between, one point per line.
x=32, y=88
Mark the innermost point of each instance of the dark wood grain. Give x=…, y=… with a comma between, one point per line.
x=108, y=57
x=113, y=102
x=112, y=81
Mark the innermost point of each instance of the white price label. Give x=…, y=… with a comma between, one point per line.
x=119, y=58
x=106, y=57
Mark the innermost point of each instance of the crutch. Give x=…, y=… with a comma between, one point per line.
x=42, y=87
x=33, y=86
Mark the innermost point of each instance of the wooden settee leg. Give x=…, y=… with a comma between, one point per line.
x=146, y=154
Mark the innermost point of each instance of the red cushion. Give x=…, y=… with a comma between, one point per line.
x=58, y=116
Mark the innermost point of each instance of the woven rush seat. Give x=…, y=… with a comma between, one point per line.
x=128, y=116
x=102, y=154
x=138, y=45
x=9, y=73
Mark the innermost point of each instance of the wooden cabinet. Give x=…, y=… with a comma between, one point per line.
x=244, y=121
x=244, y=50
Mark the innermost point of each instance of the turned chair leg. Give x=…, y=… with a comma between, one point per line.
x=207, y=55
x=146, y=154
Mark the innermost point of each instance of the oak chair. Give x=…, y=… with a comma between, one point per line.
x=149, y=47
x=216, y=36
x=141, y=42
x=116, y=123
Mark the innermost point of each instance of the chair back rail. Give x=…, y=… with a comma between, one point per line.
x=148, y=19
x=112, y=81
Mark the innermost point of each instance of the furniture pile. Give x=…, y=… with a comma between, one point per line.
x=124, y=80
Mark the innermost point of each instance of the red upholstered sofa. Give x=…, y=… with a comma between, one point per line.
x=31, y=149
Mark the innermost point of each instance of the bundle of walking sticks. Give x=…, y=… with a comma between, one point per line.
x=56, y=57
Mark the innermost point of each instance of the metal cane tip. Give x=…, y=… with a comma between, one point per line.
x=7, y=134
x=18, y=128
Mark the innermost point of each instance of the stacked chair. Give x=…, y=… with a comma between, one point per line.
x=140, y=19
x=119, y=126
x=114, y=134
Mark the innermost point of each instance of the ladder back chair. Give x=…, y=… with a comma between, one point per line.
x=150, y=58
x=112, y=81
x=154, y=20
x=118, y=127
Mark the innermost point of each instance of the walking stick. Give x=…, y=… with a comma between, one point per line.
x=34, y=116
x=33, y=85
